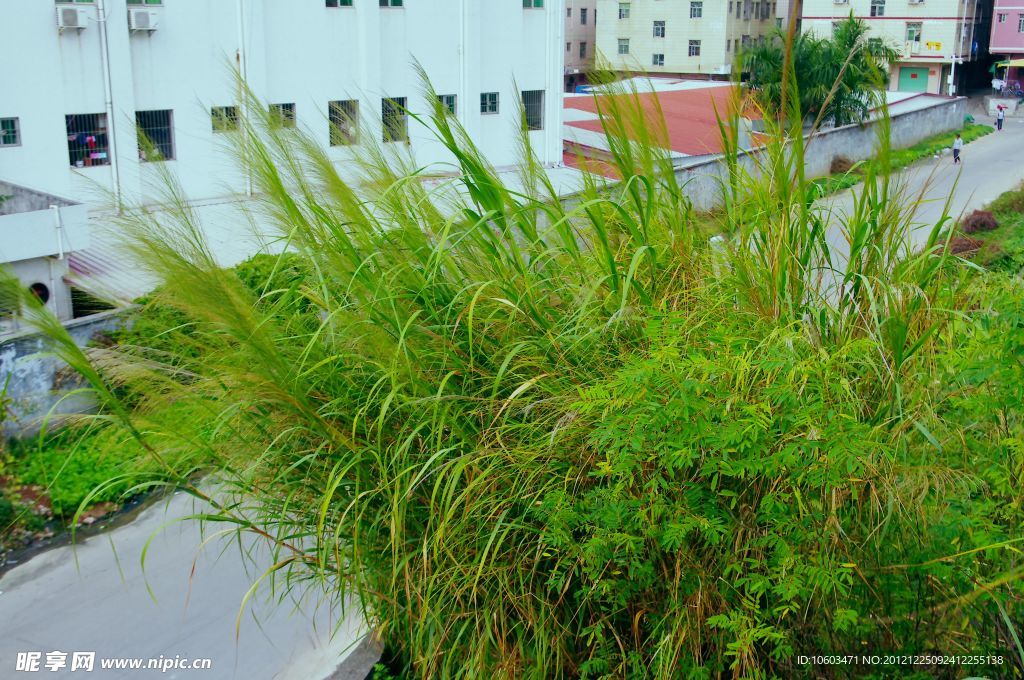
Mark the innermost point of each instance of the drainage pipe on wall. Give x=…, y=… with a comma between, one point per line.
x=108, y=99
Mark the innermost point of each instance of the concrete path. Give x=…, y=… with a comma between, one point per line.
x=102, y=605
x=990, y=166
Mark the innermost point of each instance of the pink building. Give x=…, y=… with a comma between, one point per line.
x=1008, y=34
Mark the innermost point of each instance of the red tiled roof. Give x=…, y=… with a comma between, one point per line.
x=691, y=116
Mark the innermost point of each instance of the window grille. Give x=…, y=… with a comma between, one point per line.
x=9, y=133
x=395, y=118
x=488, y=102
x=448, y=102
x=88, y=142
x=533, y=109
x=343, y=116
x=224, y=118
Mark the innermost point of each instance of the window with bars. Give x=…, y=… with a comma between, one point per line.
x=696, y=10
x=623, y=10
x=623, y=45
x=88, y=143
x=658, y=60
x=9, y=132
x=343, y=118
x=659, y=29
x=395, y=119
x=533, y=109
x=144, y=2
x=390, y=3
x=583, y=16
x=878, y=8
x=488, y=102
x=156, y=135
x=224, y=118
x=283, y=115
x=339, y=3
x=583, y=50
x=533, y=4
x=448, y=102
x=694, y=50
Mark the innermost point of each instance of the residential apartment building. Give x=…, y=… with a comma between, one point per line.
x=680, y=37
x=938, y=40
x=580, y=41
x=80, y=76
x=1008, y=28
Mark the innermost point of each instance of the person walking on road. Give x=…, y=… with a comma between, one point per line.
x=1000, y=114
x=958, y=144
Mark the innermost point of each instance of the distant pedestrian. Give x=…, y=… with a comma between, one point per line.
x=1000, y=114
x=958, y=144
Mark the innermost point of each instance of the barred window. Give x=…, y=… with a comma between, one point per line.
x=537, y=4
x=283, y=115
x=395, y=118
x=224, y=118
x=878, y=8
x=339, y=3
x=488, y=102
x=583, y=50
x=694, y=48
x=9, y=132
x=533, y=109
x=623, y=10
x=390, y=3
x=659, y=29
x=343, y=117
x=658, y=60
x=156, y=135
x=696, y=10
x=448, y=102
x=88, y=141
x=623, y=45
x=583, y=16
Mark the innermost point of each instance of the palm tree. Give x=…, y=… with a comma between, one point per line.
x=839, y=78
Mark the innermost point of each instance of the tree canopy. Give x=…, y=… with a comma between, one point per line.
x=840, y=77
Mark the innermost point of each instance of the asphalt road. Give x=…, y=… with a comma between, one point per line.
x=990, y=166
x=102, y=605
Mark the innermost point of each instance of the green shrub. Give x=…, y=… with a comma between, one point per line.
x=535, y=440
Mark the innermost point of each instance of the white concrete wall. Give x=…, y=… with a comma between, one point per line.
x=299, y=51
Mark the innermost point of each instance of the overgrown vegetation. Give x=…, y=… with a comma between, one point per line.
x=1002, y=247
x=841, y=77
x=541, y=440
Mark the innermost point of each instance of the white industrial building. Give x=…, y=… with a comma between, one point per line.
x=78, y=76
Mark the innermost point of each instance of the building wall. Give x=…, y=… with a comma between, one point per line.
x=718, y=30
x=1008, y=36
x=948, y=33
x=702, y=182
x=577, y=32
x=300, y=52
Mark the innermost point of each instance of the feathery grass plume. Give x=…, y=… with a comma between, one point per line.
x=535, y=438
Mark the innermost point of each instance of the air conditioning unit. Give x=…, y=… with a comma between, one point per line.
x=841, y=2
x=916, y=2
x=72, y=17
x=143, y=19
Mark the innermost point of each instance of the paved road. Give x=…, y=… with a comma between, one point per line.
x=991, y=165
x=47, y=604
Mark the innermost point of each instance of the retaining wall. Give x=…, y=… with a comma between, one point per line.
x=703, y=181
x=38, y=384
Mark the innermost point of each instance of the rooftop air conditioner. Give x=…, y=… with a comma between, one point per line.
x=143, y=19
x=72, y=17
x=916, y=2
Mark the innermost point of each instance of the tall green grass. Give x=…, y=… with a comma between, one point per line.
x=536, y=438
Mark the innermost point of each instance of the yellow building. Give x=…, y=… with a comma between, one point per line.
x=680, y=37
x=935, y=38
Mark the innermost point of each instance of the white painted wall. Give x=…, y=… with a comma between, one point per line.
x=299, y=51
